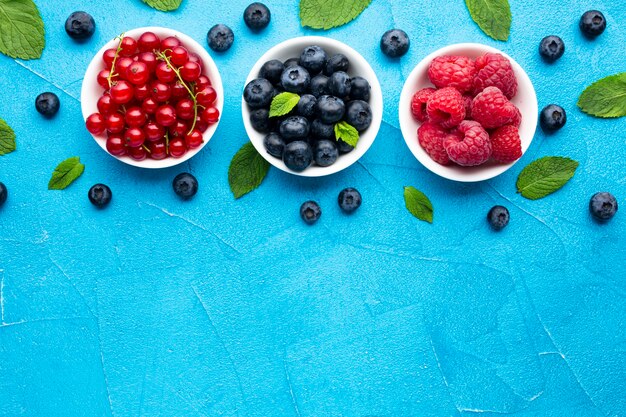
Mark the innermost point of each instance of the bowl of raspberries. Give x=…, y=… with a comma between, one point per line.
x=312, y=106
x=468, y=112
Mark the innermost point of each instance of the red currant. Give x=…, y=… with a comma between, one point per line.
x=194, y=139
x=135, y=117
x=95, y=124
x=164, y=73
x=122, y=92
x=178, y=129
x=210, y=115
x=179, y=90
x=194, y=57
x=190, y=71
x=169, y=43
x=179, y=56
x=137, y=73
x=201, y=125
x=115, y=123
x=160, y=91
x=116, y=145
x=142, y=92
x=206, y=96
x=165, y=115
x=149, y=105
x=153, y=131
x=134, y=137
x=103, y=78
x=203, y=81
x=106, y=105
x=148, y=42
x=184, y=109
x=177, y=147
x=149, y=59
x=158, y=150
x=128, y=46
x=108, y=56
x=138, y=153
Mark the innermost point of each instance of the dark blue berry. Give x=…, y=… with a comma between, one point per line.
x=257, y=16
x=258, y=93
x=185, y=185
x=80, y=26
x=325, y=153
x=603, y=206
x=498, y=217
x=220, y=38
x=307, y=105
x=297, y=155
x=4, y=193
x=260, y=120
x=295, y=79
x=394, y=43
x=321, y=130
x=272, y=70
x=313, y=58
x=274, y=144
x=344, y=147
x=310, y=212
x=552, y=118
x=592, y=23
x=292, y=62
x=358, y=114
x=349, y=199
x=359, y=89
x=294, y=128
x=319, y=86
x=335, y=63
x=551, y=48
x=339, y=84
x=47, y=104
x=330, y=109
x=100, y=195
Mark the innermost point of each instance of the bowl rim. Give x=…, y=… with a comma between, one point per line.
x=209, y=68
x=364, y=69
x=408, y=124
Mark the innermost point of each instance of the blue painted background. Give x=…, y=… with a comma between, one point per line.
x=157, y=307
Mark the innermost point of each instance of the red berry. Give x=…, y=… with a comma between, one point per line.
x=492, y=109
x=201, y=125
x=135, y=117
x=469, y=145
x=452, y=71
x=153, y=131
x=149, y=59
x=95, y=124
x=158, y=150
x=138, y=153
x=206, y=96
x=108, y=56
x=169, y=43
x=494, y=70
x=164, y=72
x=194, y=139
x=177, y=147
x=137, y=73
x=134, y=137
x=122, y=92
x=128, y=46
x=190, y=71
x=148, y=42
x=103, y=78
x=106, y=105
x=149, y=105
x=142, y=92
x=115, y=123
x=178, y=129
x=179, y=90
x=116, y=145
x=506, y=144
x=121, y=66
x=179, y=56
x=210, y=115
x=431, y=136
x=418, y=103
x=194, y=57
x=203, y=81
x=161, y=92
x=165, y=115
x=184, y=109
x=446, y=107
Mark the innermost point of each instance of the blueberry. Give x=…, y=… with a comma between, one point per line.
x=47, y=104
x=100, y=195
x=295, y=79
x=319, y=85
x=258, y=93
x=80, y=26
x=552, y=118
x=4, y=193
x=185, y=185
x=349, y=199
x=551, y=48
x=330, y=109
x=359, y=89
x=344, y=147
x=339, y=84
x=313, y=58
x=220, y=38
x=325, y=153
x=257, y=16
x=310, y=212
x=358, y=114
x=592, y=23
x=335, y=63
x=297, y=155
x=272, y=70
x=603, y=206
x=307, y=105
x=292, y=62
x=321, y=130
x=395, y=43
x=294, y=128
x=498, y=217
x=274, y=144
x=260, y=120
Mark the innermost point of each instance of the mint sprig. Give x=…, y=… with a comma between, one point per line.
x=247, y=170
x=283, y=103
x=347, y=133
x=66, y=173
x=164, y=5
x=7, y=138
x=492, y=16
x=21, y=29
x=545, y=176
x=327, y=14
x=418, y=204
x=606, y=97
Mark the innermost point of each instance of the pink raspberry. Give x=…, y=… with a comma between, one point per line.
x=469, y=145
x=506, y=144
x=468, y=106
x=517, y=119
x=452, y=71
x=430, y=137
x=418, y=103
x=446, y=107
x=492, y=109
x=494, y=70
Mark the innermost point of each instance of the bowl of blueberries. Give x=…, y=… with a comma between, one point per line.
x=312, y=106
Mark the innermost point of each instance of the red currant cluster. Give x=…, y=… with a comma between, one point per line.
x=157, y=102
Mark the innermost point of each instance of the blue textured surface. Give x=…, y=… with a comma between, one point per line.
x=157, y=307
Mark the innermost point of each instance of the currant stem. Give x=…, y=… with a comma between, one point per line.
x=117, y=53
x=161, y=55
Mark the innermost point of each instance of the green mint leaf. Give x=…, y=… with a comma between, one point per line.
x=21, y=29
x=247, y=170
x=418, y=204
x=65, y=173
x=326, y=14
x=164, y=5
x=545, y=176
x=492, y=16
x=346, y=133
x=283, y=104
x=606, y=97
x=7, y=138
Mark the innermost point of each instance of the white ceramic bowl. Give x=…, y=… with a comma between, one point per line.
x=91, y=92
x=358, y=66
x=525, y=100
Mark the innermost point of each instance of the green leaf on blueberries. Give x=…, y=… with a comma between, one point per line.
x=492, y=16
x=606, y=97
x=7, y=138
x=418, y=204
x=545, y=176
x=327, y=14
x=66, y=173
x=21, y=29
x=164, y=5
x=346, y=133
x=247, y=170
x=283, y=103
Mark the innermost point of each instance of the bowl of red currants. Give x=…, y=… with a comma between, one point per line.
x=152, y=97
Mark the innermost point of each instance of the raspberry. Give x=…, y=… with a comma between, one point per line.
x=446, y=107
x=452, y=71
x=492, y=109
x=431, y=136
x=467, y=100
x=418, y=104
x=517, y=119
x=506, y=144
x=469, y=145
x=494, y=70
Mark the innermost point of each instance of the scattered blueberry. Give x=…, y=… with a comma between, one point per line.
x=498, y=217
x=310, y=212
x=551, y=48
x=319, y=85
x=257, y=16
x=395, y=43
x=292, y=62
x=592, y=23
x=297, y=155
x=80, y=26
x=335, y=63
x=330, y=109
x=603, y=206
x=344, y=147
x=307, y=105
x=358, y=114
x=321, y=130
x=100, y=195
x=552, y=118
x=339, y=83
x=294, y=128
x=4, y=193
x=258, y=93
x=295, y=79
x=220, y=38
x=272, y=70
x=260, y=120
x=274, y=144
x=47, y=104
x=349, y=199
x=325, y=153
x=185, y=185
x=313, y=58
x=359, y=89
